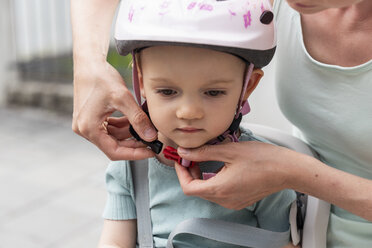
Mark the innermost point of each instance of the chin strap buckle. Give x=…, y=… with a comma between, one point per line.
x=171, y=154
x=155, y=145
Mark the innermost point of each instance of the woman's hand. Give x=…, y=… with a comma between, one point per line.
x=251, y=172
x=254, y=170
x=99, y=90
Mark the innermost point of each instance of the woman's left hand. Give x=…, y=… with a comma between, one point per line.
x=254, y=170
x=251, y=172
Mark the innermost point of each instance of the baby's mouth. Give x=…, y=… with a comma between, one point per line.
x=189, y=129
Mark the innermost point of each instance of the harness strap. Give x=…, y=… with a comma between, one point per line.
x=230, y=233
x=221, y=231
x=141, y=194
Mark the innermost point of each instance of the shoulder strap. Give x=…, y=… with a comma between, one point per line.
x=221, y=231
x=316, y=223
x=230, y=233
x=141, y=193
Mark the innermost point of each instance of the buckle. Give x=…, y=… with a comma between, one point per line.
x=171, y=154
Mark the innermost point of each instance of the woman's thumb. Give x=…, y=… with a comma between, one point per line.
x=207, y=153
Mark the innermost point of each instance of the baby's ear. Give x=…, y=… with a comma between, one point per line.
x=139, y=73
x=256, y=76
x=140, y=81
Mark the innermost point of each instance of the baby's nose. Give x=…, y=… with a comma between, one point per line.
x=190, y=110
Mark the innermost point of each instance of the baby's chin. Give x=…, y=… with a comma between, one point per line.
x=182, y=142
x=190, y=144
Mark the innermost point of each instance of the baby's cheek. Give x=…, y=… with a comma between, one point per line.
x=158, y=115
x=162, y=124
x=221, y=121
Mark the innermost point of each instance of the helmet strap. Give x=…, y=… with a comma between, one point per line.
x=135, y=80
x=243, y=106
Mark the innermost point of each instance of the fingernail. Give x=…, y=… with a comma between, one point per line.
x=183, y=151
x=150, y=133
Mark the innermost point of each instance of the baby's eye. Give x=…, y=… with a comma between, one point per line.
x=215, y=93
x=166, y=92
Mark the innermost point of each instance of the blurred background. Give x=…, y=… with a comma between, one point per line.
x=51, y=180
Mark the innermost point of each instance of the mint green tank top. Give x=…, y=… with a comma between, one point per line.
x=331, y=109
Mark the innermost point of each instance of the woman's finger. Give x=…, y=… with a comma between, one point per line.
x=120, y=150
x=118, y=121
x=132, y=143
x=225, y=188
x=223, y=152
x=192, y=186
x=119, y=133
x=136, y=116
x=195, y=172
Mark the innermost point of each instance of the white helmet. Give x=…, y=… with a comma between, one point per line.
x=240, y=27
x=244, y=28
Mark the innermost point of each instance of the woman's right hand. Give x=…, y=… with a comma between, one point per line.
x=99, y=90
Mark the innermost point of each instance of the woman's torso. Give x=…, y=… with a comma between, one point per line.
x=326, y=93
x=339, y=36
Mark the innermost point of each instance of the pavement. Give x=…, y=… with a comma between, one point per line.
x=52, y=189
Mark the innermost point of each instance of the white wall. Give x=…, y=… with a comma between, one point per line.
x=7, y=75
x=264, y=106
x=42, y=27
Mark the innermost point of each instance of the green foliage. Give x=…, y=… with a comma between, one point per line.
x=122, y=64
x=59, y=68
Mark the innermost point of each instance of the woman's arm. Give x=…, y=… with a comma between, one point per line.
x=91, y=26
x=273, y=168
x=99, y=90
x=118, y=234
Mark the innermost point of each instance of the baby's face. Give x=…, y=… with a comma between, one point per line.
x=192, y=93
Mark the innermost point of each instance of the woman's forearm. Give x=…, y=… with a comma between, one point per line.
x=342, y=189
x=273, y=168
x=91, y=24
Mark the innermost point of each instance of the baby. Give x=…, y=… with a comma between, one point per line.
x=196, y=92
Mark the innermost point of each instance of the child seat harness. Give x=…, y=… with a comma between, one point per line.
x=221, y=231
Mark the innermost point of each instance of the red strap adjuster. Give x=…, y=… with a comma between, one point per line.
x=171, y=154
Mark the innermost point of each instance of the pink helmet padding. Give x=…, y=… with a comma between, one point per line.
x=135, y=80
x=243, y=106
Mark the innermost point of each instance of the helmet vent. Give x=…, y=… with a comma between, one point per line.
x=266, y=17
